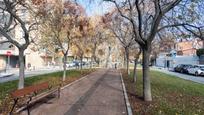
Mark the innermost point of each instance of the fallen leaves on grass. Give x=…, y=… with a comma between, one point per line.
x=171, y=96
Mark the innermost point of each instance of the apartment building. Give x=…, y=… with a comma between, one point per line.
x=33, y=56
x=183, y=53
x=188, y=48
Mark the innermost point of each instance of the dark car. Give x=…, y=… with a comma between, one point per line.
x=182, y=68
x=76, y=63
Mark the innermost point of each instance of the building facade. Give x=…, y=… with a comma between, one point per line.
x=32, y=55
x=183, y=53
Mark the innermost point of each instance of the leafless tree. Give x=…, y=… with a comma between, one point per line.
x=60, y=22
x=97, y=39
x=18, y=14
x=136, y=51
x=148, y=18
x=122, y=31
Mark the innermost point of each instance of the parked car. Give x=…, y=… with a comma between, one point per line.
x=196, y=70
x=83, y=63
x=182, y=68
x=76, y=63
x=70, y=64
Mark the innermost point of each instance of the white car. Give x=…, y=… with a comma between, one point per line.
x=70, y=64
x=196, y=70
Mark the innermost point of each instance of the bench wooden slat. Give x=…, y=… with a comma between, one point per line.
x=29, y=90
x=38, y=97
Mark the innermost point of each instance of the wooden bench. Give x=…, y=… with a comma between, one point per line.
x=32, y=93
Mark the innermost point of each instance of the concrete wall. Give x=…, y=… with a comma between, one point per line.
x=2, y=62
x=34, y=59
x=201, y=59
x=173, y=62
x=160, y=62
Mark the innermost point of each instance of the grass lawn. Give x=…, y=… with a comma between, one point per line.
x=52, y=78
x=171, y=95
x=131, y=66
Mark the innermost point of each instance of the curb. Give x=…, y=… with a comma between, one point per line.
x=129, y=109
x=74, y=82
x=6, y=75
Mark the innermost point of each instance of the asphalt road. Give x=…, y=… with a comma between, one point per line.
x=30, y=73
x=27, y=74
x=197, y=79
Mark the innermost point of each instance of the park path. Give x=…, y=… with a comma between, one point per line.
x=100, y=93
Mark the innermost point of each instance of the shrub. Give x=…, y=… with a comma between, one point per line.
x=199, y=52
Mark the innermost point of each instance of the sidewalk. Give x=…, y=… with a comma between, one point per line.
x=100, y=93
x=14, y=73
x=7, y=73
x=2, y=75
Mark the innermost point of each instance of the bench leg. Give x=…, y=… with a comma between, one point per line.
x=15, y=102
x=28, y=110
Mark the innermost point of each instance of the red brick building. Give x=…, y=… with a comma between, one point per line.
x=188, y=48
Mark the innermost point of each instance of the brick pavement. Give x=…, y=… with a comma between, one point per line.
x=100, y=93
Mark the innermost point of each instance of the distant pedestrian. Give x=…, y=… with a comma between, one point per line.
x=115, y=65
x=17, y=65
x=29, y=66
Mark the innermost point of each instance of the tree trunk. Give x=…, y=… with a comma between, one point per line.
x=21, y=69
x=146, y=78
x=94, y=53
x=124, y=61
x=135, y=70
x=81, y=59
x=203, y=43
x=108, y=56
x=53, y=60
x=99, y=62
x=91, y=64
x=127, y=60
x=64, y=67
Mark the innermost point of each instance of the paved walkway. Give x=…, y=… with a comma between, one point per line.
x=197, y=79
x=100, y=93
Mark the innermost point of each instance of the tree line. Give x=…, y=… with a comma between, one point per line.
x=138, y=25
